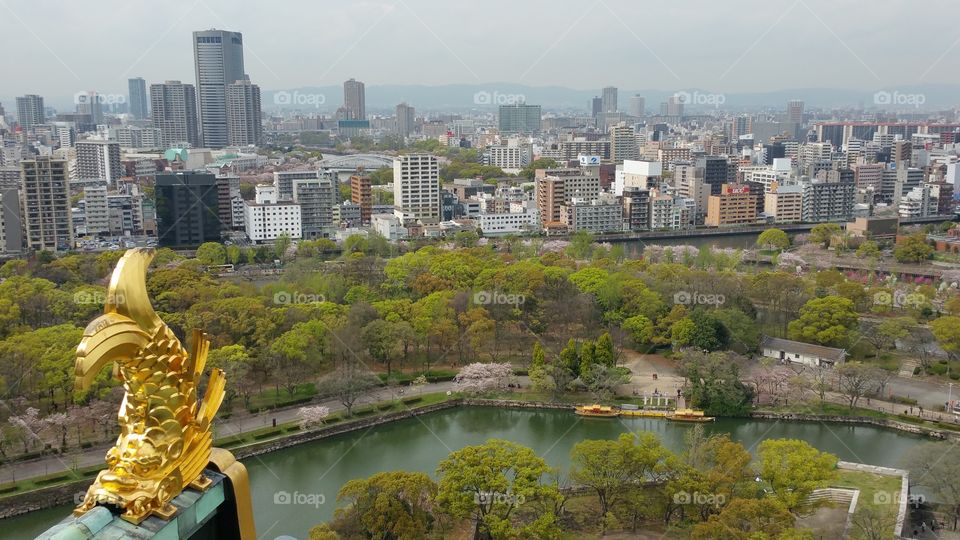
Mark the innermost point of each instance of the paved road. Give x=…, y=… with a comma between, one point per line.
x=240, y=423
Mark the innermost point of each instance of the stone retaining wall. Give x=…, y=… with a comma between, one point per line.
x=40, y=499
x=861, y=420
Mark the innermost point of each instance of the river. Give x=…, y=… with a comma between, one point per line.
x=418, y=444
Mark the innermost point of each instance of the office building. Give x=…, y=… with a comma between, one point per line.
x=173, y=110
x=361, y=194
x=795, y=111
x=609, y=99
x=416, y=187
x=316, y=198
x=519, y=118
x=30, y=111
x=46, y=204
x=218, y=62
x=187, y=210
x=244, y=123
x=130, y=136
x=734, y=205
x=98, y=160
x=784, y=203
x=138, y=99
x=406, y=120
x=355, y=100
x=715, y=172
x=638, y=105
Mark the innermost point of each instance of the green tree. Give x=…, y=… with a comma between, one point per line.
x=211, y=254
x=604, y=352
x=714, y=383
x=773, y=239
x=610, y=468
x=793, y=469
x=486, y=483
x=394, y=505
x=868, y=250
x=823, y=233
x=913, y=248
x=581, y=245
x=281, y=245
x=531, y=169
x=826, y=321
x=640, y=329
x=947, y=331
x=749, y=519
x=709, y=334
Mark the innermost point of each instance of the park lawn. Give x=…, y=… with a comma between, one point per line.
x=876, y=491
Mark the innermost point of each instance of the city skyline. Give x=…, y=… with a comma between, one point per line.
x=754, y=51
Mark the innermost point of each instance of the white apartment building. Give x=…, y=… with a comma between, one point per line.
x=98, y=160
x=388, y=226
x=511, y=157
x=670, y=212
x=283, y=180
x=96, y=210
x=137, y=137
x=522, y=218
x=641, y=174
x=416, y=187
x=916, y=203
x=265, y=219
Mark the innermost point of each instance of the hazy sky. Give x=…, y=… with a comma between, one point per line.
x=56, y=48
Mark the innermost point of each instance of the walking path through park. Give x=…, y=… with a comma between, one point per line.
x=236, y=424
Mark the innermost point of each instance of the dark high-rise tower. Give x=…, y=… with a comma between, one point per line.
x=218, y=60
x=137, y=90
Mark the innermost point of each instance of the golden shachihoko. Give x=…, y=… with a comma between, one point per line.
x=165, y=435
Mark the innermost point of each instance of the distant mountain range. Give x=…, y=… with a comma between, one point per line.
x=463, y=97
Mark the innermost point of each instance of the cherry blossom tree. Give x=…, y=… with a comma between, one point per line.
x=312, y=416
x=478, y=377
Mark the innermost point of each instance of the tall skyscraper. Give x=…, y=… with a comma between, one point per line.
x=187, y=209
x=675, y=106
x=30, y=111
x=519, y=118
x=416, y=187
x=173, y=109
x=406, y=119
x=218, y=59
x=90, y=104
x=137, y=97
x=98, y=160
x=46, y=204
x=243, y=113
x=610, y=99
x=795, y=111
x=596, y=106
x=638, y=105
x=355, y=99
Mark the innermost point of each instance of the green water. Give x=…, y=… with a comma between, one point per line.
x=318, y=469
